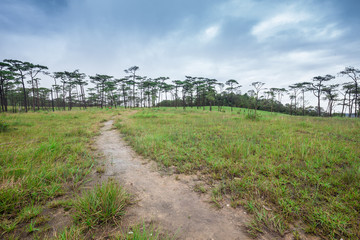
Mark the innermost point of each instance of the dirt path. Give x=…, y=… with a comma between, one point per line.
x=168, y=202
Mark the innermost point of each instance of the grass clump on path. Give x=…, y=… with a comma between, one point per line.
x=103, y=204
x=304, y=169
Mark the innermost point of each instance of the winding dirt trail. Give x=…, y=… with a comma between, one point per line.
x=169, y=203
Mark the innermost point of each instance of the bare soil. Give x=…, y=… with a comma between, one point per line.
x=167, y=201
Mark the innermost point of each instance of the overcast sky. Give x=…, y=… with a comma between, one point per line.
x=277, y=42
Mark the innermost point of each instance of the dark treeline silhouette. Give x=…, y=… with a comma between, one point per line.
x=20, y=91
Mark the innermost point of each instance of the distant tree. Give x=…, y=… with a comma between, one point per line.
x=124, y=90
x=279, y=92
x=233, y=85
x=188, y=87
x=331, y=94
x=199, y=84
x=354, y=74
x=161, y=86
x=303, y=86
x=210, y=88
x=317, y=88
x=140, y=83
x=219, y=99
x=294, y=91
x=70, y=80
x=63, y=76
x=79, y=80
x=258, y=86
x=100, y=81
x=299, y=88
x=155, y=90
x=44, y=95
x=148, y=86
x=251, y=103
x=92, y=96
x=33, y=71
x=21, y=69
x=178, y=84
x=167, y=88
x=271, y=97
x=109, y=89
x=5, y=77
x=154, y=84
x=348, y=89
x=132, y=81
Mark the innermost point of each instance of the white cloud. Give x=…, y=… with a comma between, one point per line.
x=281, y=22
x=329, y=32
x=301, y=57
x=298, y=23
x=210, y=33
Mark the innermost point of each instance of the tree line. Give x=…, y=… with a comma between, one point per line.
x=20, y=91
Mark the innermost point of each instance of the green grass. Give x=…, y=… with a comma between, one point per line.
x=72, y=233
x=46, y=155
x=29, y=212
x=303, y=168
x=103, y=204
x=139, y=232
x=143, y=232
x=42, y=156
x=3, y=126
x=200, y=188
x=32, y=227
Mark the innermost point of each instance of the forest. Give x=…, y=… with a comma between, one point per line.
x=20, y=90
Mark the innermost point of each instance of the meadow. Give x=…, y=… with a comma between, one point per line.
x=43, y=156
x=293, y=174
x=297, y=174
x=46, y=159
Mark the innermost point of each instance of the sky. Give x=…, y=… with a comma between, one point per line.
x=278, y=42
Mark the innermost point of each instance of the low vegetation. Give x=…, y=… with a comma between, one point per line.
x=43, y=156
x=293, y=174
x=44, y=159
x=288, y=171
x=103, y=204
x=143, y=232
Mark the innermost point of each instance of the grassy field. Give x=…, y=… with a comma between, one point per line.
x=42, y=156
x=45, y=158
x=296, y=174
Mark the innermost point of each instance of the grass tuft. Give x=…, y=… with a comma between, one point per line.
x=4, y=126
x=72, y=233
x=103, y=204
x=29, y=212
x=32, y=227
x=200, y=188
x=141, y=232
